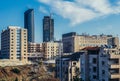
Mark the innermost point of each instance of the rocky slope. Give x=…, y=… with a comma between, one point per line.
x=25, y=73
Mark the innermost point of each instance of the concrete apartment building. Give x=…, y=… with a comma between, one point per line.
x=52, y=49
x=109, y=64
x=35, y=51
x=100, y=64
x=34, y=47
x=89, y=64
x=14, y=44
x=72, y=42
x=68, y=67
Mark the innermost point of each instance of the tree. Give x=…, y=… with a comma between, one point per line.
x=77, y=74
x=16, y=79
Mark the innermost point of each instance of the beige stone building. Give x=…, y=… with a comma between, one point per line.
x=34, y=47
x=52, y=49
x=73, y=42
x=35, y=51
x=14, y=44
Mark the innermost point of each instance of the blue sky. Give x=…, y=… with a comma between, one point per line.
x=81, y=16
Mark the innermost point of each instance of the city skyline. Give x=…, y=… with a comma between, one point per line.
x=108, y=23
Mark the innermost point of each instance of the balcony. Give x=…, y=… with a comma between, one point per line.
x=114, y=61
x=113, y=76
x=114, y=66
x=114, y=56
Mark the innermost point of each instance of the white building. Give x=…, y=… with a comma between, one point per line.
x=100, y=64
x=89, y=64
x=109, y=64
x=68, y=67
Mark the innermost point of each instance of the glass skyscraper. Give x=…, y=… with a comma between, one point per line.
x=48, y=29
x=29, y=24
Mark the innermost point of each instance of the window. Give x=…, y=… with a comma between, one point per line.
x=94, y=69
x=94, y=76
x=103, y=71
x=103, y=63
x=103, y=80
x=94, y=60
x=74, y=63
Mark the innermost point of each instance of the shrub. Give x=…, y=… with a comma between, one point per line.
x=16, y=70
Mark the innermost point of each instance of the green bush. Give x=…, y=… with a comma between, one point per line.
x=16, y=70
x=16, y=79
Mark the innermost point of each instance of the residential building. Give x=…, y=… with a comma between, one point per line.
x=68, y=67
x=90, y=64
x=48, y=29
x=14, y=44
x=29, y=24
x=35, y=51
x=113, y=41
x=109, y=64
x=52, y=50
x=72, y=42
x=100, y=63
x=34, y=47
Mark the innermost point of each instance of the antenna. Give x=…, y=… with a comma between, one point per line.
x=51, y=14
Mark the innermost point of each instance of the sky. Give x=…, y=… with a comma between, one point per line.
x=81, y=16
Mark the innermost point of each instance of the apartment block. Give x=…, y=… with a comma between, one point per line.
x=68, y=67
x=35, y=51
x=109, y=64
x=34, y=47
x=72, y=42
x=14, y=44
x=90, y=64
x=52, y=50
x=100, y=64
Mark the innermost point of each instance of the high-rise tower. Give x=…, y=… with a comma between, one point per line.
x=29, y=24
x=48, y=29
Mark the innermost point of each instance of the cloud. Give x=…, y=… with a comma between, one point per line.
x=43, y=10
x=79, y=11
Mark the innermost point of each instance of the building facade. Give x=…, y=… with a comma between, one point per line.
x=68, y=67
x=35, y=47
x=72, y=42
x=48, y=29
x=35, y=51
x=14, y=44
x=90, y=64
x=100, y=64
x=52, y=50
x=29, y=24
x=109, y=64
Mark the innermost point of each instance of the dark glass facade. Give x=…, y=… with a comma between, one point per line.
x=48, y=29
x=29, y=24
